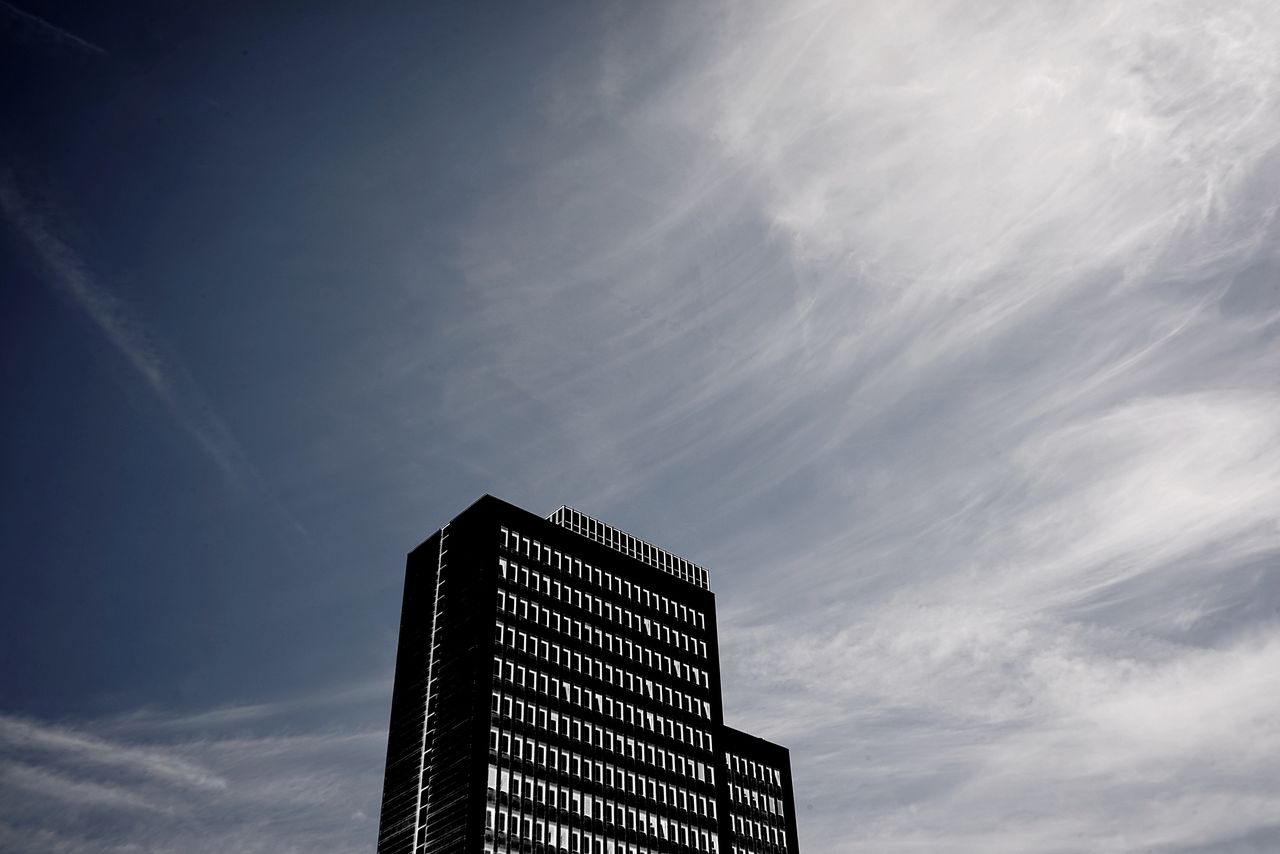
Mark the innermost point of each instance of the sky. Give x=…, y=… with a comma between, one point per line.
x=946, y=335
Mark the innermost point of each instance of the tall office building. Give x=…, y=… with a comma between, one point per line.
x=557, y=690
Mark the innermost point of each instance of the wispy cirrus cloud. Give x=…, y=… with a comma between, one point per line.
x=952, y=336
x=23, y=736
x=209, y=782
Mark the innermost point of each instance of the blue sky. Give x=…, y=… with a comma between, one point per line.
x=945, y=336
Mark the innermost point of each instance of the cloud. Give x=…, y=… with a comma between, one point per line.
x=188, y=786
x=272, y=713
x=949, y=338
x=1014, y=734
x=817, y=209
x=16, y=776
x=18, y=735
x=58, y=33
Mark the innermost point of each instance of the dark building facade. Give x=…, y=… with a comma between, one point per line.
x=557, y=689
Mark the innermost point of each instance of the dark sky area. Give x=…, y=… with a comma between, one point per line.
x=223, y=183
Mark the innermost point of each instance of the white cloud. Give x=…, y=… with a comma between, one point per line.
x=18, y=778
x=188, y=785
x=950, y=335
x=17, y=734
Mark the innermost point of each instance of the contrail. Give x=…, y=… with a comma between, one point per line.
x=166, y=377
x=75, y=281
x=54, y=29
x=169, y=381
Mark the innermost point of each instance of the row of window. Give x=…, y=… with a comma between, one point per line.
x=515, y=542
x=523, y=828
x=535, y=580
x=517, y=846
x=593, y=529
x=600, y=639
x=601, y=773
x=752, y=829
x=751, y=768
x=594, y=735
x=520, y=828
x=757, y=847
x=551, y=686
x=756, y=799
x=594, y=667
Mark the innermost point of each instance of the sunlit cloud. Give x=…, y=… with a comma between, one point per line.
x=953, y=332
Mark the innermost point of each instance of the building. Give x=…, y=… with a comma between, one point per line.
x=557, y=689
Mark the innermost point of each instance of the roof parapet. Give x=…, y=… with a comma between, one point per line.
x=620, y=541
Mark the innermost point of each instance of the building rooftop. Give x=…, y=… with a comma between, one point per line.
x=619, y=540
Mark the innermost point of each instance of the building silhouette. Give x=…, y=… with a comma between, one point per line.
x=557, y=689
